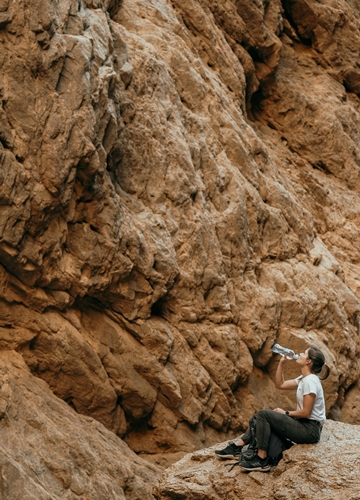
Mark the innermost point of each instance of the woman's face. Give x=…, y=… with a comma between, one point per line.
x=303, y=358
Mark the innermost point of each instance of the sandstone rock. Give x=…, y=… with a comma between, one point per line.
x=48, y=451
x=328, y=470
x=179, y=189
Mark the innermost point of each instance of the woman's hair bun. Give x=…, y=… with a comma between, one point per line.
x=318, y=362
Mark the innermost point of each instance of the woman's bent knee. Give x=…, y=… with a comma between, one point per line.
x=264, y=413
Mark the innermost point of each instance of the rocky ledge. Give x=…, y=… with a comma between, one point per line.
x=328, y=470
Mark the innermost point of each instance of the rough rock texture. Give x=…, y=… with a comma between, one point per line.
x=179, y=188
x=328, y=470
x=49, y=452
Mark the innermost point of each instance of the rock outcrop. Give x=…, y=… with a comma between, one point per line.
x=48, y=451
x=179, y=188
x=328, y=470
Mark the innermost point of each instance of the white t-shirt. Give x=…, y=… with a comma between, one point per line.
x=311, y=385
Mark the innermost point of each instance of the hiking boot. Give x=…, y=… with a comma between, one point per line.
x=255, y=464
x=231, y=451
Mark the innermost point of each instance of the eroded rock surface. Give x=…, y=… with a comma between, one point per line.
x=328, y=470
x=48, y=451
x=179, y=188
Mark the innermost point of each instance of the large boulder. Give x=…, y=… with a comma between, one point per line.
x=328, y=470
x=49, y=452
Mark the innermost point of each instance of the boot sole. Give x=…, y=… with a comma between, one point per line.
x=225, y=457
x=260, y=469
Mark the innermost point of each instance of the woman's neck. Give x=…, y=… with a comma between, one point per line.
x=305, y=371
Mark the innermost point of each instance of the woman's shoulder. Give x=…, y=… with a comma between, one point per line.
x=313, y=379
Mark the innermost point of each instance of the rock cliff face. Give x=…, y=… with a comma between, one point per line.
x=179, y=188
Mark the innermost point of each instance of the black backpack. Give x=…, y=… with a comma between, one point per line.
x=275, y=449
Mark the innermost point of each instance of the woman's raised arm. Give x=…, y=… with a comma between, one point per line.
x=280, y=382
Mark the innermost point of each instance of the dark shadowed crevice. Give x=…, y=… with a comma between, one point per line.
x=113, y=7
x=32, y=344
x=301, y=19
x=255, y=102
x=88, y=303
x=256, y=55
x=69, y=401
x=322, y=167
x=157, y=309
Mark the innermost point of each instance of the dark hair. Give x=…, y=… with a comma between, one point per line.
x=318, y=362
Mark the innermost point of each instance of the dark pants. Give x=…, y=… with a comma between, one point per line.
x=301, y=430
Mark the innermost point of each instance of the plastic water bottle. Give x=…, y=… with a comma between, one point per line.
x=284, y=351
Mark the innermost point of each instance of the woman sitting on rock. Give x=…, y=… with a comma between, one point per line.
x=302, y=425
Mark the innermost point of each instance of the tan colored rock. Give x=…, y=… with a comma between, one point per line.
x=48, y=451
x=328, y=470
x=178, y=190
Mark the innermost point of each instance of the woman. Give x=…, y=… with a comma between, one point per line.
x=302, y=425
